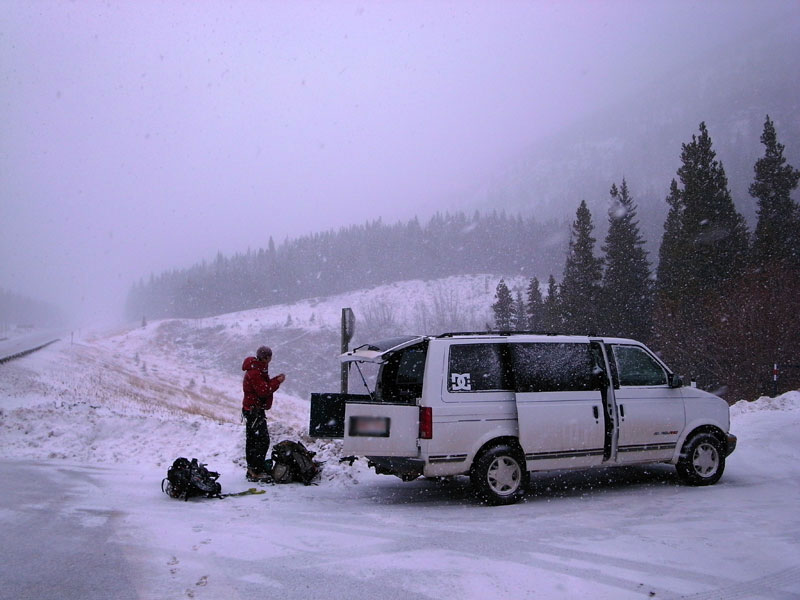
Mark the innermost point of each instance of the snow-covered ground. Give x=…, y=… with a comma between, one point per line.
x=88, y=429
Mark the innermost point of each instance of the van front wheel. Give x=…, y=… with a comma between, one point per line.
x=499, y=476
x=702, y=461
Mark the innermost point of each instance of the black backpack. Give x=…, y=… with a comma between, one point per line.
x=187, y=478
x=291, y=461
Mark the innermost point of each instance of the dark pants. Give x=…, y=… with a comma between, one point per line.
x=256, y=439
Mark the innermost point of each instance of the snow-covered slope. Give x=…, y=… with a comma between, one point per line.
x=304, y=336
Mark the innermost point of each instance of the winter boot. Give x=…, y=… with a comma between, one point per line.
x=256, y=475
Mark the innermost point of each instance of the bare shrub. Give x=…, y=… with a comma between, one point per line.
x=379, y=320
x=445, y=312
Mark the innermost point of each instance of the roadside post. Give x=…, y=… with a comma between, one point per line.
x=348, y=328
x=776, y=372
x=775, y=380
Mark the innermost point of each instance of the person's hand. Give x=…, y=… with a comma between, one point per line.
x=281, y=378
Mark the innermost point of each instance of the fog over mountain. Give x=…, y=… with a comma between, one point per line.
x=143, y=137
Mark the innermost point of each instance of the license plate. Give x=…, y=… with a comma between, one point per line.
x=369, y=426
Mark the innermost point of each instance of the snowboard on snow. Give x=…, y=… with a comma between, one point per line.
x=247, y=492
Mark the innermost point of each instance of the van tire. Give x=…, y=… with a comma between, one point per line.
x=499, y=475
x=702, y=460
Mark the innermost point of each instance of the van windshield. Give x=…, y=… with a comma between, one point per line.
x=400, y=377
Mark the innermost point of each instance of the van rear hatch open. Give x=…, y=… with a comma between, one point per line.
x=368, y=426
x=378, y=351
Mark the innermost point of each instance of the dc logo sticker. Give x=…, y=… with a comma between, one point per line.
x=460, y=382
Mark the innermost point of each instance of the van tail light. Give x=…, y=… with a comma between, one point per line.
x=425, y=422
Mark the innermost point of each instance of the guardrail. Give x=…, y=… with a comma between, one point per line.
x=11, y=357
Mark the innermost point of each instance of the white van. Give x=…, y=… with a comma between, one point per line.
x=495, y=406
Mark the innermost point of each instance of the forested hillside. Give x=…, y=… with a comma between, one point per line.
x=352, y=258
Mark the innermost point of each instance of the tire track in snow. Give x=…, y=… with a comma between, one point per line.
x=781, y=585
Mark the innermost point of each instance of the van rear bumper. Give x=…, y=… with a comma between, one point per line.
x=404, y=468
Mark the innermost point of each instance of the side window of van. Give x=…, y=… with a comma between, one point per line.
x=476, y=368
x=553, y=367
x=637, y=367
x=400, y=378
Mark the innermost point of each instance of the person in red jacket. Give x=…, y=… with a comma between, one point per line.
x=258, y=388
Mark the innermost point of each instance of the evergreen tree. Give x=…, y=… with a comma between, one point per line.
x=503, y=308
x=668, y=278
x=760, y=309
x=777, y=235
x=535, y=308
x=520, y=313
x=627, y=289
x=582, y=275
x=712, y=234
x=703, y=252
x=551, y=313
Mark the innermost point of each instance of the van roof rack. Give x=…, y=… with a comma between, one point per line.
x=504, y=333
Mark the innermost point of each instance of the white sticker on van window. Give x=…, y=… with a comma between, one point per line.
x=460, y=382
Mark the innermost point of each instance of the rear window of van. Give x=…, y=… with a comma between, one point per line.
x=477, y=368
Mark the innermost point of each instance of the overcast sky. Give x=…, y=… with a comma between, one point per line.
x=141, y=136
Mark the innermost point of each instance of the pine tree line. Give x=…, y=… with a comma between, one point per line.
x=351, y=258
x=612, y=295
x=724, y=306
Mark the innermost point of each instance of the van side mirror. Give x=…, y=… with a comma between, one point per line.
x=675, y=380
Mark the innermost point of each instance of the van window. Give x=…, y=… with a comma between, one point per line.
x=553, y=367
x=400, y=377
x=476, y=368
x=636, y=367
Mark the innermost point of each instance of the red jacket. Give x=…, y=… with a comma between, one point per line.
x=257, y=385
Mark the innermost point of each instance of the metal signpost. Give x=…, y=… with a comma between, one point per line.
x=348, y=328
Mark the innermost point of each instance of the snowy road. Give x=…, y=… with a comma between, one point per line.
x=47, y=548
x=12, y=345
x=633, y=533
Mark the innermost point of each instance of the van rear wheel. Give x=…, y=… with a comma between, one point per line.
x=499, y=475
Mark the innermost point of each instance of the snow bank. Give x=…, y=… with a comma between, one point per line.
x=790, y=401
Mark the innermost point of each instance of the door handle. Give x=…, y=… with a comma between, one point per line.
x=622, y=411
x=596, y=412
